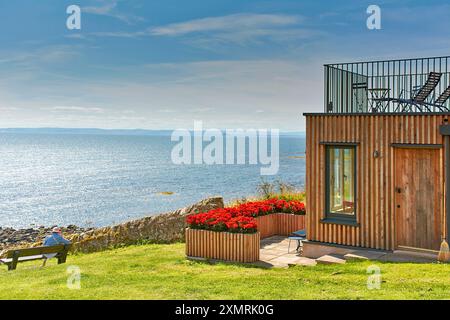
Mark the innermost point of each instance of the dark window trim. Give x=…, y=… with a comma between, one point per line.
x=416, y=146
x=344, y=221
x=339, y=144
x=337, y=218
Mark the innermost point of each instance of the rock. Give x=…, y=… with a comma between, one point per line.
x=203, y=206
x=11, y=238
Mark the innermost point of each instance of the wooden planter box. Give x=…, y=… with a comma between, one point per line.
x=267, y=225
x=237, y=247
x=282, y=224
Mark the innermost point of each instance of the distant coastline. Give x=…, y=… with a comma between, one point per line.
x=125, y=132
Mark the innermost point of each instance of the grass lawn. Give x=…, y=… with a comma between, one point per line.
x=162, y=272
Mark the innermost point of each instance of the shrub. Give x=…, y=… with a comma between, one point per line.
x=280, y=190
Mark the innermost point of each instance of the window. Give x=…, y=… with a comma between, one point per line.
x=340, y=182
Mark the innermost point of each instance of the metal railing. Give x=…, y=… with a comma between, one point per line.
x=408, y=85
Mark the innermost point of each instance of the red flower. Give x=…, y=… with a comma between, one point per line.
x=241, y=218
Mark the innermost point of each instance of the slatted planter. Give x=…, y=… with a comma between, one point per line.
x=282, y=224
x=236, y=247
x=267, y=225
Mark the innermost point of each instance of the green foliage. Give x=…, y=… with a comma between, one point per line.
x=280, y=190
x=269, y=190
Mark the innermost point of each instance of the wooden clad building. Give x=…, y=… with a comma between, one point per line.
x=377, y=157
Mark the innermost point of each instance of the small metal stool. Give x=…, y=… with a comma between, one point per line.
x=299, y=236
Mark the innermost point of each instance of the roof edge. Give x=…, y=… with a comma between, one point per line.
x=324, y=114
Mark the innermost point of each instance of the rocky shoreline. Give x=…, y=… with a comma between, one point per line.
x=10, y=237
x=163, y=228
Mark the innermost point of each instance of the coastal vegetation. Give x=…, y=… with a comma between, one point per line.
x=277, y=189
x=158, y=271
x=280, y=190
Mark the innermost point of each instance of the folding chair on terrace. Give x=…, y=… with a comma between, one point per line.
x=420, y=96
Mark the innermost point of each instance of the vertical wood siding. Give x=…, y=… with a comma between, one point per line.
x=236, y=247
x=375, y=176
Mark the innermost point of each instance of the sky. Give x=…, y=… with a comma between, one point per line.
x=163, y=64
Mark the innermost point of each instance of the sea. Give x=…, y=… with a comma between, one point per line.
x=94, y=178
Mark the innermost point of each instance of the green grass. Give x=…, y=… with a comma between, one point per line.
x=162, y=272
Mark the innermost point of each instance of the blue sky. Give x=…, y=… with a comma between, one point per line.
x=163, y=64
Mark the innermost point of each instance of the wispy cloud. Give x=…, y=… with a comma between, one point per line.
x=48, y=54
x=119, y=34
x=109, y=8
x=226, y=23
x=75, y=109
x=8, y=108
x=76, y=36
x=237, y=29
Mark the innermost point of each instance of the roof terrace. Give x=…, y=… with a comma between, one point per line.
x=410, y=85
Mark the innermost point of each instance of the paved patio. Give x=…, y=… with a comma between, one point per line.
x=274, y=253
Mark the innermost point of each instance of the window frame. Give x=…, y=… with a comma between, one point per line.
x=332, y=217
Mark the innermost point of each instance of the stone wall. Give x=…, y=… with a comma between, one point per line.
x=163, y=228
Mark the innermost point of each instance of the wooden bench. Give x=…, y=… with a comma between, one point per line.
x=29, y=254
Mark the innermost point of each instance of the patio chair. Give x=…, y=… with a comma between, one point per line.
x=360, y=95
x=419, y=95
x=442, y=99
x=431, y=83
x=298, y=236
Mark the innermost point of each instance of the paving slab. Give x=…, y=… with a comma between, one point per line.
x=268, y=246
x=363, y=255
x=331, y=259
x=303, y=261
x=267, y=257
x=286, y=259
x=272, y=252
x=280, y=250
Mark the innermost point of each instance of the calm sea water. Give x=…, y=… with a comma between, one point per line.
x=98, y=180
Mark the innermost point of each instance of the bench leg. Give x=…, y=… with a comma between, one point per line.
x=44, y=262
x=62, y=258
x=13, y=264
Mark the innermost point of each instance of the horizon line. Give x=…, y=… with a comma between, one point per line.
x=130, y=129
